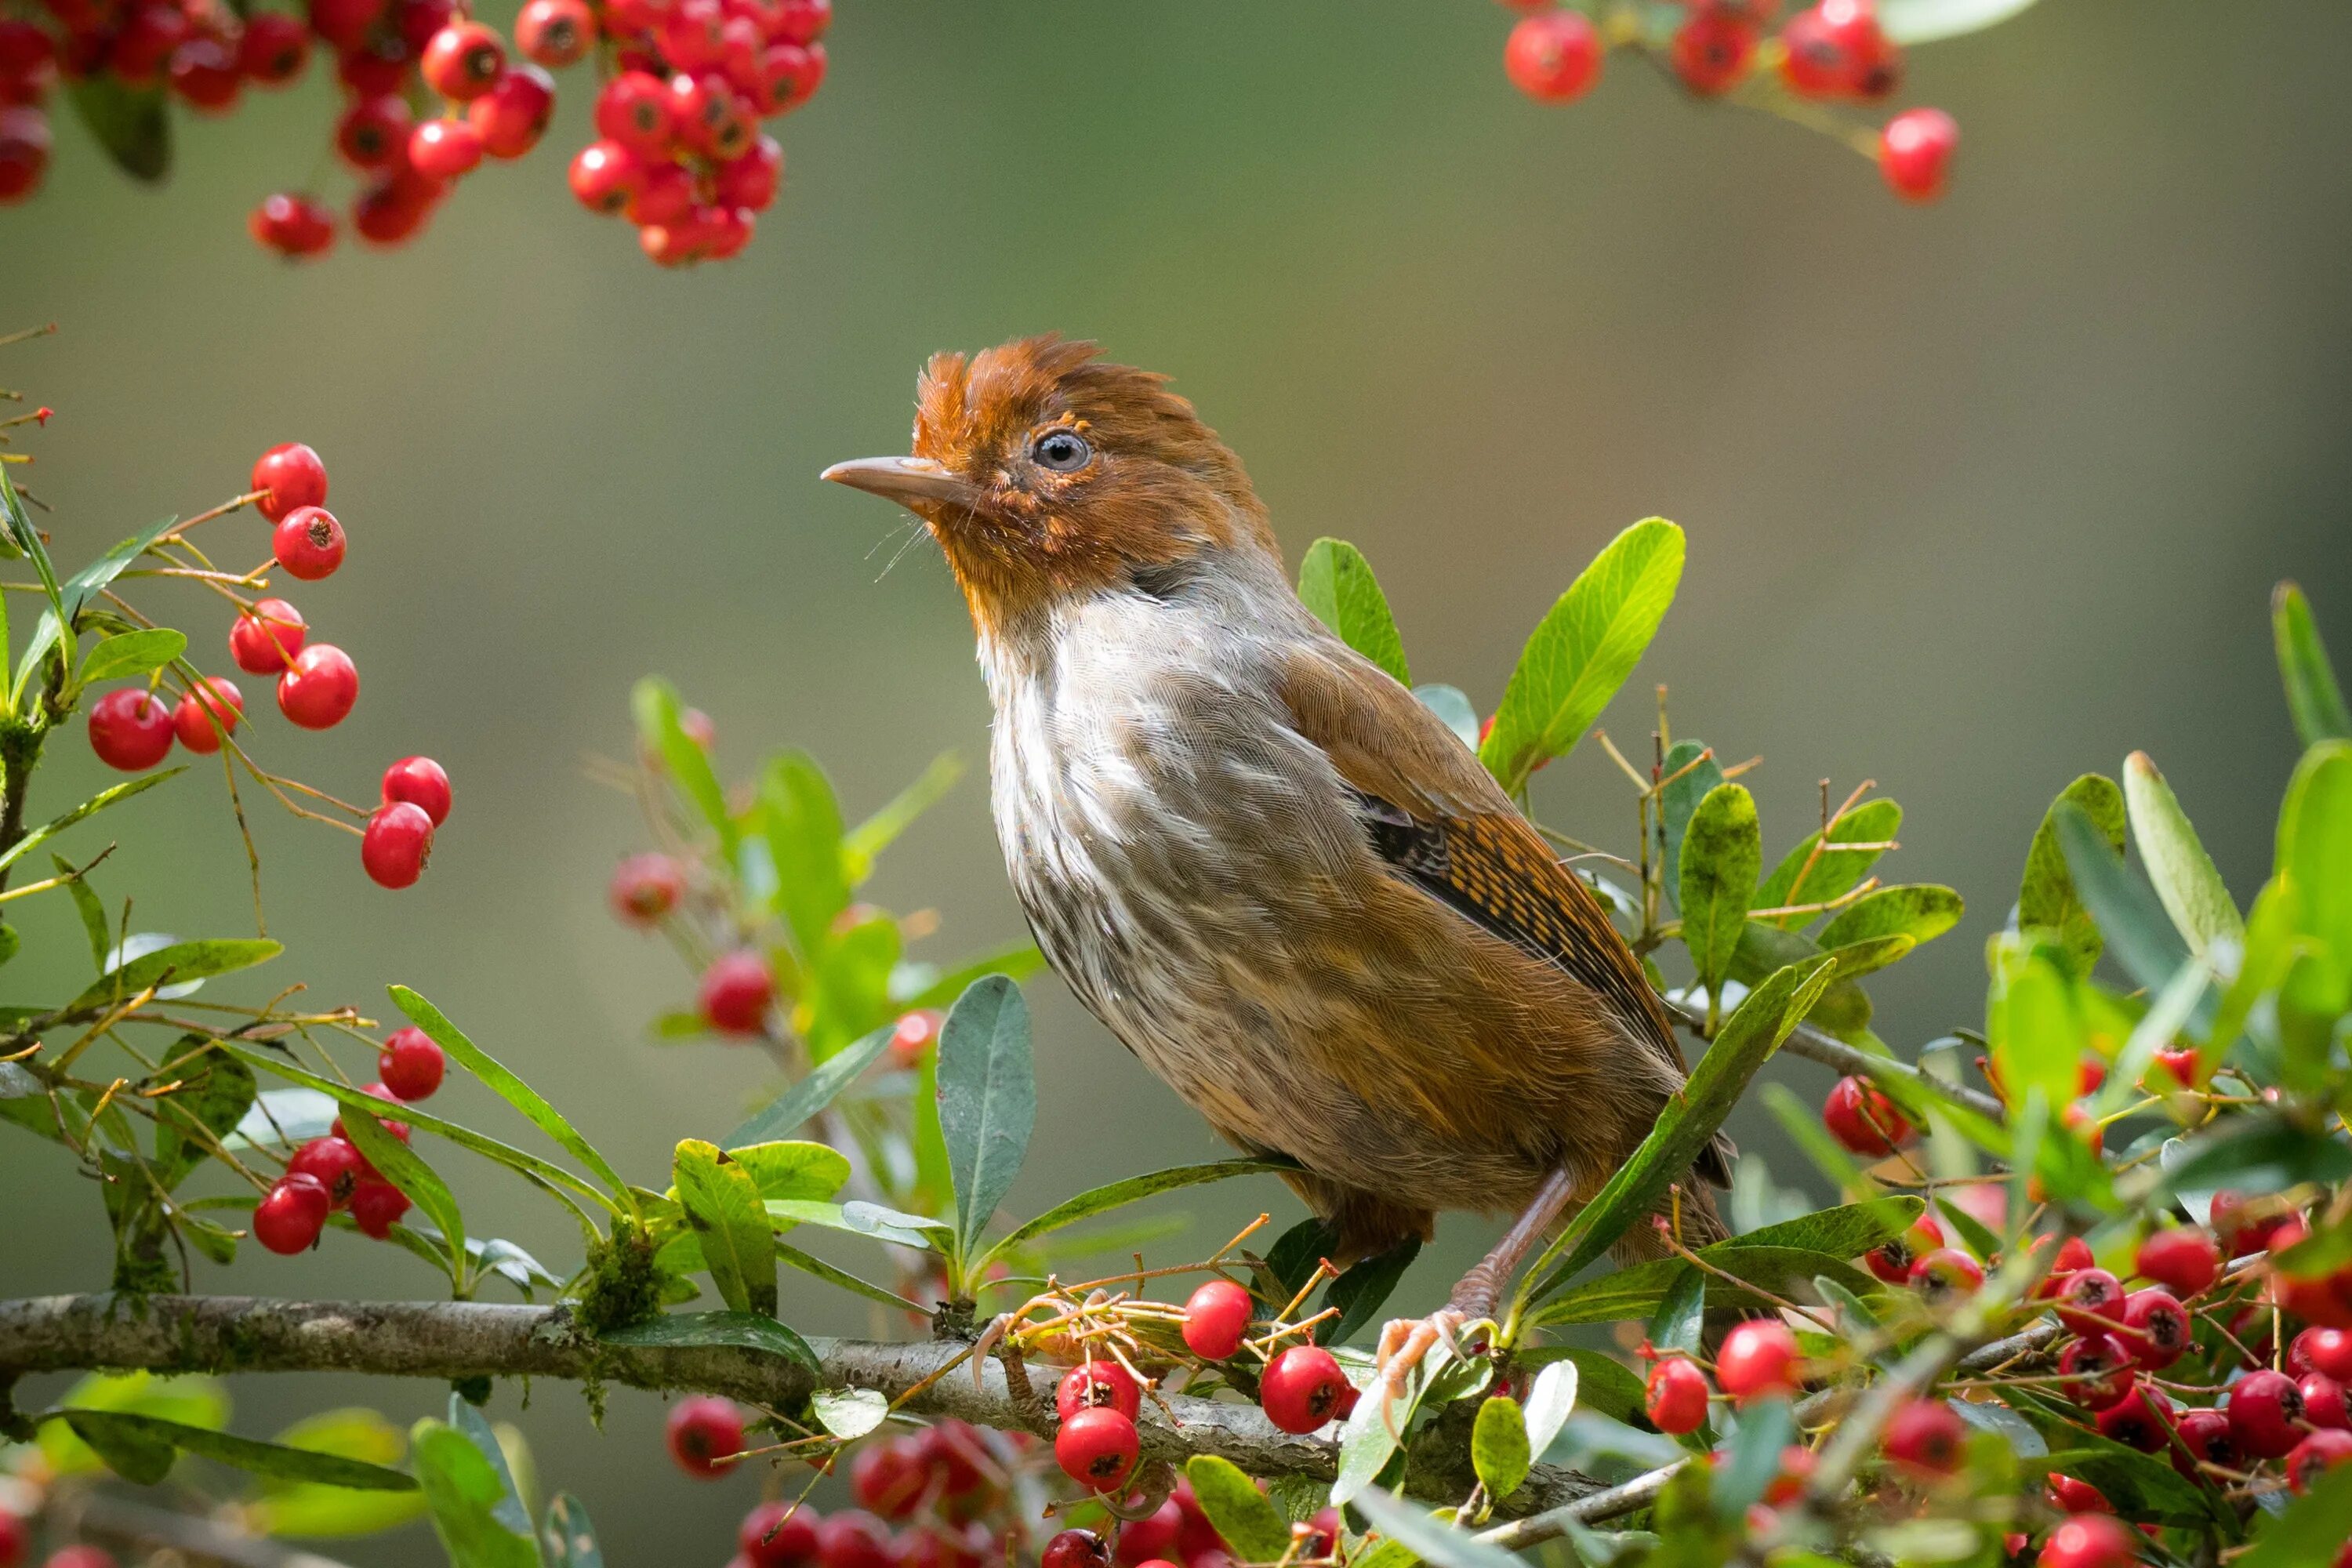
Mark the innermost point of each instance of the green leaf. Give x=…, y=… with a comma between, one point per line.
x=1668, y=1288
x=214, y=1094
x=2312, y=696
x=180, y=962
x=2033, y=1024
x=141, y=1441
x=1440, y=1544
x=194, y=1401
x=1017, y=962
x=818, y=1269
x=470, y=1500
x=789, y=1169
x=1690, y=1121
x=1723, y=853
x=800, y=1103
x=132, y=653
x=308, y=1507
x=503, y=1081
x=569, y=1537
x=1362, y=1290
x=661, y=732
x=92, y=912
x=2314, y=846
x=1691, y=776
x=1499, y=1450
x=1803, y=878
x=1847, y=1231
x=96, y=803
x=1765, y=1427
x=398, y=1164
x=70, y=598
x=1133, y=1189
x=1551, y=1400
x=1921, y=911
x=864, y=843
x=987, y=1099
x=1927, y=21
x=130, y=1448
x=744, y=1331
x=1253, y=1527
x=802, y=823
x=850, y=1413
x=2271, y=947
x=129, y=123
x=2047, y=897
x=2185, y=878
x=722, y=1205
x=846, y=986
x=1336, y=581
x=2259, y=1151
x=1681, y=1312
x=2314, y=1526
x=1603, y=1384
x=2130, y=915
x=1452, y=704
x=1584, y=650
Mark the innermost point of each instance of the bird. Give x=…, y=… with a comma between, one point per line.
x=1274, y=876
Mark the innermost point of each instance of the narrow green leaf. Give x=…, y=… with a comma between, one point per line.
x=1668, y=1289
x=744, y=1331
x=1691, y=776
x=147, y=1436
x=311, y=1509
x=1440, y=1544
x=506, y=1084
x=132, y=653
x=1584, y=650
x=846, y=985
x=1804, y=878
x=129, y=123
x=1250, y=1523
x=2047, y=897
x=864, y=843
x=1847, y=1231
x=398, y=1164
x=661, y=730
x=801, y=820
x=1929, y=21
x=1133, y=1189
x=2031, y=1022
x=1722, y=855
x=987, y=1099
x=2314, y=846
x=2271, y=945
x=1336, y=581
x=92, y=912
x=793, y=1108
x=96, y=803
x=569, y=1537
x=467, y=1498
x=2130, y=916
x=131, y=1448
x=2185, y=877
x=1682, y=1312
x=723, y=1203
x=1921, y=911
x=2314, y=1525
x=70, y=598
x=180, y=962
x=819, y=1269
x=2312, y=696
x=1499, y=1450
x=1765, y=1427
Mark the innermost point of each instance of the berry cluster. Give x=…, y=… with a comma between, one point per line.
x=1832, y=52
x=329, y=1175
x=133, y=729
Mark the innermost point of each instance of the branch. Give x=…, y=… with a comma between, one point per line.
x=1816, y=1043
x=452, y=1340
x=137, y=1528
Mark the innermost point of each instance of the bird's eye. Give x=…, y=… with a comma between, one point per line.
x=1063, y=451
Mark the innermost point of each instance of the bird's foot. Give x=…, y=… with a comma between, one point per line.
x=1405, y=1343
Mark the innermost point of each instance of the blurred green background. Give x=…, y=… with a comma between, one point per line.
x=1979, y=496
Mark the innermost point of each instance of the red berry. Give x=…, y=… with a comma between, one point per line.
x=265, y=639
x=778, y=1535
x=2328, y=1351
x=26, y=51
x=665, y=195
x=291, y=226
x=853, y=1540
x=290, y=1217
x=512, y=116
x=2099, y=1367
x=421, y=782
x=2092, y=1300
x=646, y=888
x=2322, y=1401
x=1075, y=1549
x=333, y=1162
x=1302, y=1388
x=1216, y=1317
x=2240, y=1231
x=887, y=1478
x=14, y=1540
x=704, y=1432
x=750, y=181
x=2180, y=1067
x=1554, y=56
x=1915, y=152
x=2207, y=1437
x=2073, y=1256
x=411, y=1065
x=375, y=68
x=634, y=111
x=1097, y=1447
x=1837, y=50
x=398, y=840
x=377, y=1205
x=204, y=73
x=555, y=32
x=2322, y=1451
x=736, y=990
x=399, y=1129
x=1892, y=1262
x=308, y=543
x=344, y=23
x=914, y=1034
x=192, y=719
x=1095, y=1384
x=2156, y=1327
x=606, y=176
x=2182, y=1259
x=1155, y=1536
x=319, y=690
x=2265, y=1409
x=1862, y=1119
x=1947, y=1274
x=708, y=117
x=2140, y=1419
x=274, y=49
x=2068, y=1495
x=1675, y=1397
x=130, y=728
x=444, y=149
x=1711, y=50
x=1925, y=1439
x=393, y=211
x=2090, y=1541
x=462, y=60
x=292, y=475
x=803, y=21
x=1758, y=1359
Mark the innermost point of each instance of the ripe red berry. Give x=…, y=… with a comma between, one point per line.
x=2240, y=1225
x=462, y=60
x=333, y=1162
x=778, y=1535
x=1892, y=1263
x=2073, y=1256
x=2090, y=1541
x=205, y=75
x=1758, y=1359
x=373, y=134
x=1837, y=50
x=265, y=639
x=2068, y=1495
x=705, y=1431
x=398, y=841
x=1302, y=1388
x=2099, y=1370
x=606, y=176
x=194, y=718
x=736, y=990
x=2320, y=1452
x=274, y=49
x=1925, y=1439
x=410, y=1064
x=344, y=23
x=2264, y=1410
x=2140, y=1419
x=444, y=149
x=2206, y=1436
x=1553, y=56
x=1915, y=152
x=2092, y=1300
x=1216, y=1317
x=803, y=21
x=2172, y=1071
x=2328, y=1351
x=376, y=1206
x=1097, y=1384
x=665, y=195
x=130, y=728
x=645, y=888
x=1075, y=1549
x=319, y=692
x=290, y=1215
x=308, y=543
x=14, y=1539
x=887, y=1478
x=750, y=181
x=555, y=32
x=634, y=111
x=1154, y=1536
x=291, y=226
x=1947, y=1274
x=851, y=1539
x=1862, y=1119
x=1675, y=1395
x=512, y=116
x=1711, y=50
x=394, y=211
x=1097, y=1447
x=421, y=782
x=2156, y=1327
x=2322, y=1401
x=292, y=475
x=914, y=1034
x=2182, y=1259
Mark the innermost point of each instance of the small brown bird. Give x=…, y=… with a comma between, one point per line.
x=1278, y=879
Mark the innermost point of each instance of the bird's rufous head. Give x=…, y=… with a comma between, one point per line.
x=1045, y=472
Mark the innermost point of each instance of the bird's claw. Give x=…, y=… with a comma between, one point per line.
x=1405, y=1342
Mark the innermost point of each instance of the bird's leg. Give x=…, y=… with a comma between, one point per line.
x=1405, y=1342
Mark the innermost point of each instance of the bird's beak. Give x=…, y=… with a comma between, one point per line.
x=907, y=481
